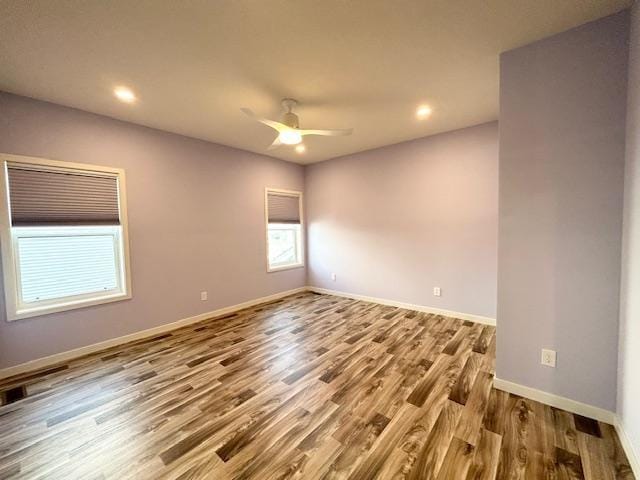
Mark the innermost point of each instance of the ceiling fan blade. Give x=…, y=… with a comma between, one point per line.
x=272, y=123
x=276, y=143
x=327, y=133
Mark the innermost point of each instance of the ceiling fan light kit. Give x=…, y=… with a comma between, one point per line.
x=289, y=132
x=290, y=137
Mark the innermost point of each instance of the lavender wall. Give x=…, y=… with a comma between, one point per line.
x=562, y=132
x=629, y=345
x=196, y=222
x=394, y=222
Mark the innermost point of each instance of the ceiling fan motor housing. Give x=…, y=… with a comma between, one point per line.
x=290, y=120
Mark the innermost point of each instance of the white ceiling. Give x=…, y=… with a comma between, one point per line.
x=365, y=64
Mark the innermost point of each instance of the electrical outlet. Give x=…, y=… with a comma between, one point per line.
x=436, y=291
x=548, y=358
x=333, y=277
x=203, y=296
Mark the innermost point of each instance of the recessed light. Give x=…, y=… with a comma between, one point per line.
x=124, y=94
x=423, y=111
x=301, y=148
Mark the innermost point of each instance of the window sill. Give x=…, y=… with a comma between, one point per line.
x=63, y=307
x=284, y=267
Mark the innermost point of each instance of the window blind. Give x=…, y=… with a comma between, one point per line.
x=63, y=265
x=283, y=208
x=59, y=197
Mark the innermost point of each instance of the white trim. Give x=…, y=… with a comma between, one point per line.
x=627, y=446
x=557, y=401
x=521, y=390
x=114, y=232
x=301, y=240
x=6, y=240
x=285, y=267
x=409, y=306
x=58, y=164
x=112, y=342
x=580, y=408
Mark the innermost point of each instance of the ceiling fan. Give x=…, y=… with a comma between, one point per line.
x=289, y=132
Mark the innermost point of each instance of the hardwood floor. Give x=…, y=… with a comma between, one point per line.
x=308, y=387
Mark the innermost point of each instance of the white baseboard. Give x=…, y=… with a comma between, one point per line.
x=557, y=401
x=112, y=342
x=409, y=306
x=583, y=409
x=62, y=357
x=629, y=450
x=528, y=392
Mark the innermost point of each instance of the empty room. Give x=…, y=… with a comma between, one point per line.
x=340, y=239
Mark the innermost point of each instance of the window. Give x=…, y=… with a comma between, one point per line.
x=64, y=236
x=284, y=229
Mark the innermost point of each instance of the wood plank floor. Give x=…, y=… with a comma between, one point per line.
x=307, y=387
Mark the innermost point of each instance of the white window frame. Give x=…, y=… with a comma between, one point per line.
x=113, y=231
x=16, y=310
x=301, y=239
